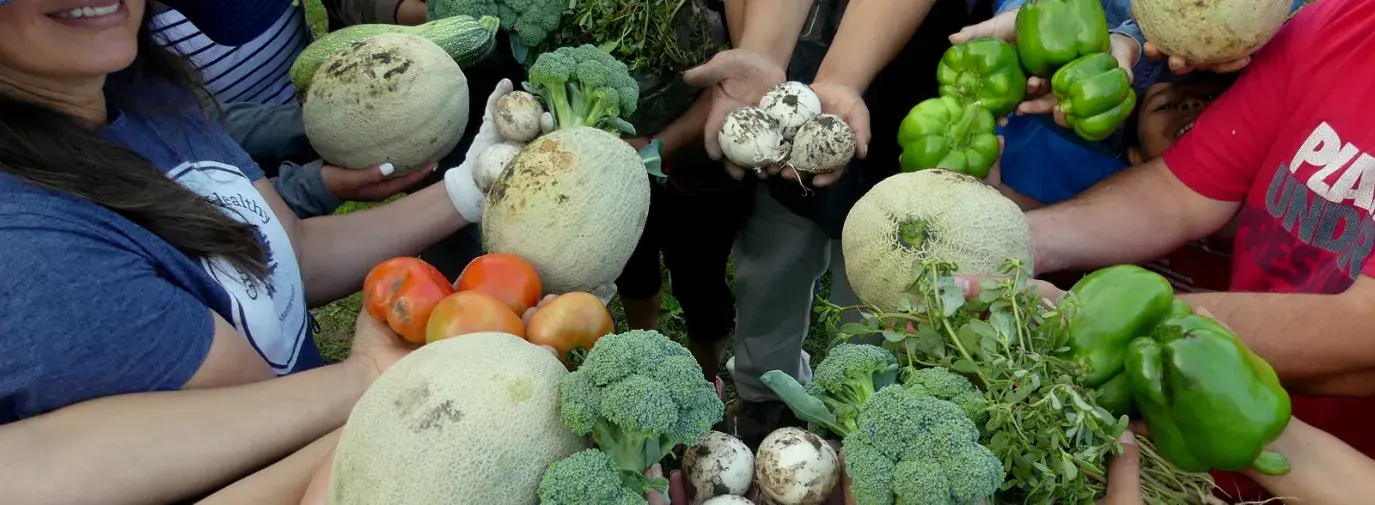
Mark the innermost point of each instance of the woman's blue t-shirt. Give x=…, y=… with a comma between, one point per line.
x=94, y=305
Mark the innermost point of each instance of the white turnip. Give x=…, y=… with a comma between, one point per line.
x=795, y=467
x=792, y=104
x=720, y=465
x=751, y=138
x=491, y=161
x=517, y=116
x=823, y=145
x=728, y=499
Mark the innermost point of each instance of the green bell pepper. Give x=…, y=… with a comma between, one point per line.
x=946, y=133
x=1111, y=307
x=984, y=71
x=1209, y=402
x=1052, y=33
x=1095, y=94
x=1115, y=396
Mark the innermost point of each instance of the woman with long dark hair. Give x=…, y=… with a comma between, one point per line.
x=155, y=286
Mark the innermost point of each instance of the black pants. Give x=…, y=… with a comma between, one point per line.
x=692, y=222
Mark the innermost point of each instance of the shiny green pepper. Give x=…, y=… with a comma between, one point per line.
x=1208, y=401
x=1111, y=307
x=1052, y=33
x=946, y=133
x=1095, y=94
x=984, y=71
x=1115, y=396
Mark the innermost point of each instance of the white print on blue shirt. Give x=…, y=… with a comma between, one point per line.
x=272, y=314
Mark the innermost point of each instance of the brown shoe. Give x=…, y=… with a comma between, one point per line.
x=752, y=421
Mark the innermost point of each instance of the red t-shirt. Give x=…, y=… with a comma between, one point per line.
x=1294, y=139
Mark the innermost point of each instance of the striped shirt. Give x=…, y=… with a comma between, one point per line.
x=254, y=72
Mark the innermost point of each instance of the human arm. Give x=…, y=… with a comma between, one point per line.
x=358, y=12
x=686, y=130
x=1323, y=469
x=283, y=483
x=769, y=27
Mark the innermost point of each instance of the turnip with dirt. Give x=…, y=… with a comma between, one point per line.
x=795, y=467
x=517, y=116
x=728, y=499
x=721, y=465
x=792, y=104
x=823, y=145
x=751, y=138
x=492, y=160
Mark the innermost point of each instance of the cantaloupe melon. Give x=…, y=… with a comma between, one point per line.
x=392, y=98
x=1207, y=32
x=929, y=214
x=573, y=203
x=468, y=420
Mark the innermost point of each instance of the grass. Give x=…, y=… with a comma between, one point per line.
x=337, y=319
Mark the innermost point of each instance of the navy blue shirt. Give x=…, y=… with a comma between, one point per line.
x=94, y=305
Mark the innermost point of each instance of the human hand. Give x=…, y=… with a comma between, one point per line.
x=677, y=491
x=971, y=284
x=375, y=346
x=1124, y=474
x=463, y=189
x=737, y=78
x=1041, y=98
x=1181, y=67
x=411, y=12
x=846, y=102
x=372, y=185
x=1002, y=26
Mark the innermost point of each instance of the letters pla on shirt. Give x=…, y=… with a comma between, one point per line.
x=271, y=313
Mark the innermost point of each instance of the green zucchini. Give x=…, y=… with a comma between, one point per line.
x=467, y=40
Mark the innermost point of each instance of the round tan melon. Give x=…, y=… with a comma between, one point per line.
x=573, y=203
x=393, y=98
x=1205, y=32
x=468, y=420
x=929, y=215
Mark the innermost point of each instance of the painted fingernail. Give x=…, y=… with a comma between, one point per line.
x=386, y=169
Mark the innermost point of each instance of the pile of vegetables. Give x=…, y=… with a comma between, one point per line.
x=491, y=295
x=787, y=128
x=528, y=21
x=651, y=36
x=1065, y=41
x=573, y=201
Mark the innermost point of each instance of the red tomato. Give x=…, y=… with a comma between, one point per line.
x=402, y=292
x=570, y=324
x=467, y=312
x=505, y=277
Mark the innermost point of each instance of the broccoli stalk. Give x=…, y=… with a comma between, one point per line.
x=584, y=86
x=844, y=381
x=639, y=394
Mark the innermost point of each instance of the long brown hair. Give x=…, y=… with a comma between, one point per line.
x=48, y=148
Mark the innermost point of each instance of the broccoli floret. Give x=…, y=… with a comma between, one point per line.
x=848, y=376
x=915, y=449
x=531, y=20
x=950, y=386
x=588, y=476
x=639, y=394
x=585, y=86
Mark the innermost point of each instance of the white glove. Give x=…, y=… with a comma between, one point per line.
x=605, y=292
x=463, y=191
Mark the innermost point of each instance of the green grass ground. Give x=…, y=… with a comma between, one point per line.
x=336, y=319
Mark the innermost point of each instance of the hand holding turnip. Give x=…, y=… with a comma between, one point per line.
x=844, y=101
x=459, y=181
x=737, y=78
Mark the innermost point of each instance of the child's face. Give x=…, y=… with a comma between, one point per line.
x=1168, y=112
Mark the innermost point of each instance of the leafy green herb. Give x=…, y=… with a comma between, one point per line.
x=658, y=36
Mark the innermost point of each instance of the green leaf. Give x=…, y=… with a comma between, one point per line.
x=1021, y=393
x=931, y=343
x=989, y=295
x=856, y=329
x=893, y=336
x=952, y=297
x=1067, y=467
x=965, y=366
x=968, y=338
x=805, y=406
x=1055, y=402
x=904, y=305
x=1002, y=323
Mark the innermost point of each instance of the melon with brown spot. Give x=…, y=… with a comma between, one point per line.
x=929, y=215
x=392, y=98
x=573, y=203
x=1205, y=32
x=470, y=420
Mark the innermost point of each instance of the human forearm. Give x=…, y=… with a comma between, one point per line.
x=1323, y=469
x=168, y=446
x=337, y=251
x=771, y=27
x=1112, y=224
x=870, y=35
x=283, y=483
x=1307, y=338
x=687, y=129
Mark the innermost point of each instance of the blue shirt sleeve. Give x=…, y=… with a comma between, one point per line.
x=84, y=315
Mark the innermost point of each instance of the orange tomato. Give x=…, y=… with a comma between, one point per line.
x=570, y=324
x=467, y=312
x=505, y=277
x=402, y=292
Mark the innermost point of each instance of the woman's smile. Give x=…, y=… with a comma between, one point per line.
x=95, y=14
